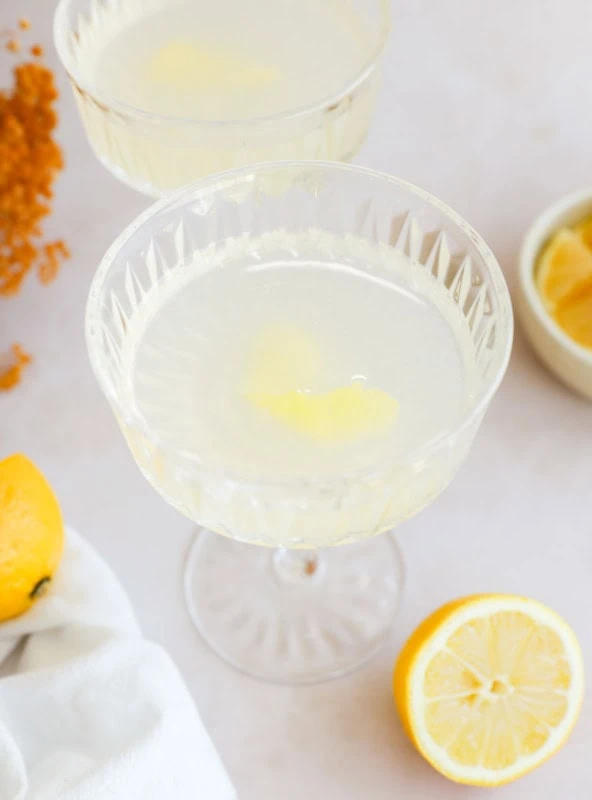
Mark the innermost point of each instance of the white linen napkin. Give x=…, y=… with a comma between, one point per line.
x=91, y=710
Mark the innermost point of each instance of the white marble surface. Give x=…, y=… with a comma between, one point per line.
x=487, y=105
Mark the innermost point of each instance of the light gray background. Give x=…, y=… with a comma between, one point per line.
x=488, y=106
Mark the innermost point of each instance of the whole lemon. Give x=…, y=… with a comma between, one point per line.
x=31, y=535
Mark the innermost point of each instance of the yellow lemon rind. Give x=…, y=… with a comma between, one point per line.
x=430, y=637
x=33, y=535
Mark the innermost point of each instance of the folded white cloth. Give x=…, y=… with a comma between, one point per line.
x=91, y=710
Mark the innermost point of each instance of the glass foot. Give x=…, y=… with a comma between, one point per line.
x=293, y=616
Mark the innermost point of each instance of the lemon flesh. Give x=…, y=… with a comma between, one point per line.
x=564, y=267
x=564, y=280
x=186, y=66
x=575, y=317
x=489, y=687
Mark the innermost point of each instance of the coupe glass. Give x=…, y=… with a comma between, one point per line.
x=258, y=590
x=156, y=154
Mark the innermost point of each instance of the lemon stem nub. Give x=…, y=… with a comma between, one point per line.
x=40, y=588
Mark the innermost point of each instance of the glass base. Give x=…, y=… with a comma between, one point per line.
x=293, y=616
x=150, y=190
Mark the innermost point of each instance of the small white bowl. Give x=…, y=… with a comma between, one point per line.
x=569, y=361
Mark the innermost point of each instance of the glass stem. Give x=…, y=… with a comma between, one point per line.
x=296, y=566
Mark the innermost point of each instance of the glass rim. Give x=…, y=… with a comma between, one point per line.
x=212, y=184
x=60, y=25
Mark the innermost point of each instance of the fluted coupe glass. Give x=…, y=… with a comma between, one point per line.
x=156, y=153
x=257, y=587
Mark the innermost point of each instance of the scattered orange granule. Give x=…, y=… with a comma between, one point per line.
x=30, y=160
x=11, y=366
x=49, y=266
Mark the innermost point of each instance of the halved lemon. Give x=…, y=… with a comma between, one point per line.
x=564, y=267
x=489, y=687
